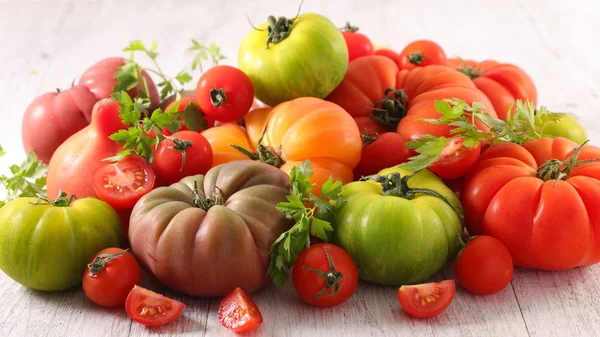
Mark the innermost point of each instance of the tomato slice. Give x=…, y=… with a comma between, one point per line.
x=428, y=299
x=238, y=312
x=123, y=183
x=455, y=160
x=149, y=308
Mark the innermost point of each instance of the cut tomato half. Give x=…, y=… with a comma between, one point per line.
x=428, y=299
x=455, y=160
x=238, y=312
x=149, y=308
x=123, y=183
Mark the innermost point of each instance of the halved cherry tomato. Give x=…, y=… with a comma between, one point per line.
x=456, y=159
x=225, y=93
x=428, y=299
x=421, y=53
x=123, y=183
x=149, y=308
x=238, y=312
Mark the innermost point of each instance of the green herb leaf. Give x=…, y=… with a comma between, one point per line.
x=429, y=151
x=2, y=152
x=192, y=117
x=27, y=180
x=183, y=77
x=202, y=53
x=127, y=76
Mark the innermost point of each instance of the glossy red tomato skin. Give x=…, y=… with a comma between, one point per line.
x=431, y=51
x=386, y=151
x=392, y=55
x=238, y=90
x=358, y=45
x=123, y=183
x=238, y=312
x=415, y=305
x=308, y=283
x=140, y=300
x=167, y=161
x=110, y=287
x=182, y=104
x=53, y=117
x=484, y=266
x=456, y=160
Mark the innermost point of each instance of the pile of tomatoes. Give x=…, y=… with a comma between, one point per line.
x=352, y=110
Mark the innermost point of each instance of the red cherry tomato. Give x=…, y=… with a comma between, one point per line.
x=484, y=266
x=320, y=270
x=456, y=159
x=183, y=154
x=382, y=151
x=110, y=276
x=358, y=44
x=183, y=103
x=389, y=54
x=152, y=309
x=421, y=53
x=427, y=300
x=238, y=312
x=225, y=93
x=123, y=183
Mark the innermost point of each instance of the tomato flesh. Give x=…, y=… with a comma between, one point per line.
x=238, y=312
x=428, y=299
x=152, y=309
x=123, y=183
x=455, y=160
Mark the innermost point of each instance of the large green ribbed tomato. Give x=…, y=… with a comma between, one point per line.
x=46, y=246
x=304, y=56
x=567, y=126
x=399, y=229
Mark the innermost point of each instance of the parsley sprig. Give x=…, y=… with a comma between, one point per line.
x=27, y=180
x=525, y=124
x=312, y=215
x=136, y=114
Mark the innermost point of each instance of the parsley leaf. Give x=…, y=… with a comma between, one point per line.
x=312, y=214
x=27, y=180
x=202, y=53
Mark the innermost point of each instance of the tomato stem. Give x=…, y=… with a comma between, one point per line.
x=202, y=201
x=369, y=138
x=217, y=97
x=471, y=72
x=391, y=108
x=556, y=170
x=101, y=260
x=332, y=278
x=349, y=28
x=263, y=153
x=60, y=201
x=416, y=57
x=180, y=145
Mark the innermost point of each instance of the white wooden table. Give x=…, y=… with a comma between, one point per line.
x=46, y=44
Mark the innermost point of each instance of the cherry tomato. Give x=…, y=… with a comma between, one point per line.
x=358, y=44
x=183, y=154
x=325, y=275
x=389, y=54
x=152, y=309
x=382, y=151
x=456, y=159
x=110, y=276
x=123, y=183
x=421, y=53
x=484, y=266
x=183, y=103
x=428, y=299
x=238, y=312
x=225, y=93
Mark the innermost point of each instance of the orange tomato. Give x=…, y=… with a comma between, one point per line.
x=222, y=137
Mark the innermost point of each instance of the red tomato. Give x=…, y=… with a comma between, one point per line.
x=484, y=266
x=325, y=275
x=152, y=309
x=183, y=102
x=392, y=55
x=238, y=312
x=456, y=159
x=225, y=93
x=382, y=151
x=123, y=183
x=184, y=154
x=358, y=44
x=427, y=300
x=110, y=276
x=421, y=53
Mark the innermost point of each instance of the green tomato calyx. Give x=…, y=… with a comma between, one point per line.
x=60, y=201
x=217, y=97
x=471, y=72
x=332, y=278
x=556, y=170
x=391, y=108
x=202, y=201
x=179, y=145
x=350, y=28
x=263, y=153
x=101, y=260
x=369, y=138
x=416, y=57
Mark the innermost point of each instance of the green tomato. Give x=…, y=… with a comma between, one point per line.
x=47, y=247
x=566, y=126
x=308, y=58
x=395, y=236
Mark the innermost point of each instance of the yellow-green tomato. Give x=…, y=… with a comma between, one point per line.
x=296, y=57
x=47, y=246
x=567, y=126
x=399, y=229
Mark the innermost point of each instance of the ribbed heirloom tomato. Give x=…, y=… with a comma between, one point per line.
x=540, y=200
